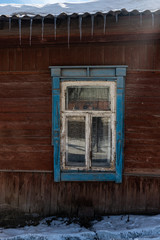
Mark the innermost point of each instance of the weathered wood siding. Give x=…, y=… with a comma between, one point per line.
x=36, y=192
x=26, y=154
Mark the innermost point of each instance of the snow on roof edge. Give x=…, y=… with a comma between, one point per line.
x=94, y=7
x=119, y=12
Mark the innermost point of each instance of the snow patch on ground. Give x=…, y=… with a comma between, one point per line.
x=110, y=227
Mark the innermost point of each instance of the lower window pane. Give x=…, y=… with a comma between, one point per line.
x=75, y=141
x=101, y=142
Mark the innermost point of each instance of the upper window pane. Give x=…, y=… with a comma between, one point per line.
x=88, y=98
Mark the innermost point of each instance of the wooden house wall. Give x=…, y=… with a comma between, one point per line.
x=26, y=154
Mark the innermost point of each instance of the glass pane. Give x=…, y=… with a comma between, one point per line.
x=101, y=142
x=88, y=98
x=75, y=141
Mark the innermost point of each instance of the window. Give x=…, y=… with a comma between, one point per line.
x=88, y=126
x=88, y=122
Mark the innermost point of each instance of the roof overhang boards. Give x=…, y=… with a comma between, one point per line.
x=86, y=27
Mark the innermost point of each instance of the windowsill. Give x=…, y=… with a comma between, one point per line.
x=88, y=176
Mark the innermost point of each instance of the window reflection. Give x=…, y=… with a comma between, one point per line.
x=75, y=141
x=101, y=142
x=88, y=98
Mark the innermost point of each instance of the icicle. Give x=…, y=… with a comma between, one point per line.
x=140, y=19
x=80, y=27
x=42, y=27
x=10, y=20
x=92, y=20
x=116, y=17
x=20, y=31
x=69, y=20
x=152, y=20
x=30, y=33
x=129, y=16
x=104, y=17
x=55, y=27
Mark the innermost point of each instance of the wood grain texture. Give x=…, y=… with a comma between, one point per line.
x=142, y=120
x=26, y=105
x=36, y=192
x=25, y=94
x=25, y=120
x=26, y=160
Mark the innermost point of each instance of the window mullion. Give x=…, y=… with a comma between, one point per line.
x=113, y=136
x=88, y=141
x=63, y=139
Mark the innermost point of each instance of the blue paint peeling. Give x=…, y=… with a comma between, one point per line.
x=56, y=126
x=88, y=73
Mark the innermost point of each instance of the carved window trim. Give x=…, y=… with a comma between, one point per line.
x=91, y=75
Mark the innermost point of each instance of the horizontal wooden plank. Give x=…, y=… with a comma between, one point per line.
x=26, y=148
x=26, y=105
x=141, y=135
x=134, y=81
x=146, y=111
x=150, y=85
x=25, y=76
x=143, y=73
x=144, y=87
x=143, y=107
x=115, y=37
x=136, y=141
x=143, y=122
x=142, y=92
x=141, y=116
x=25, y=93
x=143, y=130
x=25, y=156
x=143, y=148
x=144, y=104
x=26, y=161
x=145, y=99
x=25, y=85
x=138, y=123
x=25, y=133
x=143, y=156
x=140, y=146
x=21, y=116
x=8, y=125
x=142, y=172
x=143, y=153
x=26, y=141
x=141, y=165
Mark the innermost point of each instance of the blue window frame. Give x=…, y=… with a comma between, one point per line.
x=88, y=76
